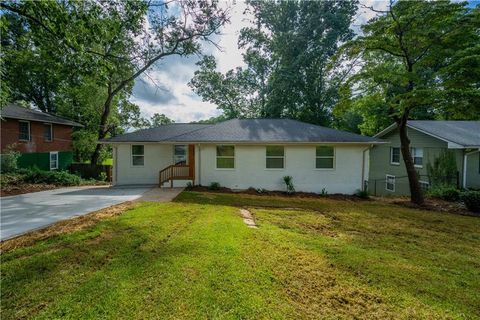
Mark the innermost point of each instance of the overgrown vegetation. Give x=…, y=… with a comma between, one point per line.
x=9, y=159
x=444, y=192
x=214, y=186
x=196, y=259
x=443, y=170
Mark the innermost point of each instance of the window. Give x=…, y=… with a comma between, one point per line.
x=275, y=157
x=24, y=130
x=53, y=160
x=417, y=156
x=225, y=157
x=424, y=185
x=180, y=154
x=395, y=155
x=48, y=132
x=390, y=183
x=325, y=157
x=138, y=155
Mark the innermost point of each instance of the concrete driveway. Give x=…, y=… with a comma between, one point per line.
x=26, y=212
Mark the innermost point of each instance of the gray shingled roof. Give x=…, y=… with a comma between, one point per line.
x=244, y=130
x=162, y=133
x=465, y=133
x=16, y=112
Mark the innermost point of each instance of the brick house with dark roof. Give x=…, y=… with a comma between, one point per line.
x=44, y=140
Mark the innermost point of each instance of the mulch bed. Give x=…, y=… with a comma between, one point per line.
x=25, y=188
x=432, y=205
x=253, y=191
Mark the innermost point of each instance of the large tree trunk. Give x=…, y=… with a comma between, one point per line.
x=103, y=130
x=416, y=194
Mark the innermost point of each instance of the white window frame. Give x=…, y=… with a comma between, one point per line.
x=389, y=176
x=424, y=183
x=275, y=157
x=51, y=132
x=56, y=160
x=412, y=151
x=326, y=157
x=186, y=153
x=137, y=155
x=29, y=130
x=225, y=157
x=391, y=156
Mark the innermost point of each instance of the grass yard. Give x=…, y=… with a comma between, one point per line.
x=196, y=259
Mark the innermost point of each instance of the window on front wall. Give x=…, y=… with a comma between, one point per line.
x=325, y=157
x=24, y=130
x=424, y=185
x=275, y=157
x=390, y=183
x=417, y=156
x=48, y=132
x=53, y=160
x=138, y=155
x=395, y=155
x=225, y=157
x=180, y=154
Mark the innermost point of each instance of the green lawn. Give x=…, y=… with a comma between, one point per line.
x=196, y=259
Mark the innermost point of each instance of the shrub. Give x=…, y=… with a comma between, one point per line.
x=189, y=185
x=324, y=192
x=62, y=178
x=471, y=199
x=289, y=184
x=444, y=192
x=363, y=194
x=9, y=160
x=214, y=186
x=102, y=176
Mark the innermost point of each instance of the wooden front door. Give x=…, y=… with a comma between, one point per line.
x=191, y=160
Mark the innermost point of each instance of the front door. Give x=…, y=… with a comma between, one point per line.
x=180, y=154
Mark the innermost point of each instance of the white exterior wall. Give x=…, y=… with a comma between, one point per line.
x=157, y=157
x=250, y=169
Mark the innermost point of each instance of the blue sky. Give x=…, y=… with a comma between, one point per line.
x=164, y=88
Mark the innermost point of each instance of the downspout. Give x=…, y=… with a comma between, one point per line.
x=199, y=165
x=465, y=157
x=363, y=167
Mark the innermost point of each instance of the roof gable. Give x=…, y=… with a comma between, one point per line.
x=464, y=134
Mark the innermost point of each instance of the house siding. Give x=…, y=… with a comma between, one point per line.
x=380, y=165
x=250, y=169
x=62, y=140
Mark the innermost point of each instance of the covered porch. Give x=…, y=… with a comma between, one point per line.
x=182, y=168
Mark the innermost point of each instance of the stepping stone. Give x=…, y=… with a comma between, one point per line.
x=248, y=218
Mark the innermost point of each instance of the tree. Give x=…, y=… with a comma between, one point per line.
x=117, y=41
x=407, y=55
x=287, y=56
x=160, y=120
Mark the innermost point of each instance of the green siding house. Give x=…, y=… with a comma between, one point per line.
x=428, y=139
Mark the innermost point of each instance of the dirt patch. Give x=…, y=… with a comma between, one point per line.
x=253, y=191
x=431, y=205
x=65, y=226
x=248, y=218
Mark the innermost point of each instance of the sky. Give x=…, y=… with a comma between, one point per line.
x=164, y=88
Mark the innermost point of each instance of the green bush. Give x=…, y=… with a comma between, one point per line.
x=471, y=199
x=61, y=178
x=214, y=186
x=444, y=192
x=289, y=184
x=9, y=160
x=363, y=194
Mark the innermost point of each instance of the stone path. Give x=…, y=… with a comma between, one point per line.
x=248, y=218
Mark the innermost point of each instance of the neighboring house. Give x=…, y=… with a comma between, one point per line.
x=428, y=139
x=240, y=154
x=44, y=140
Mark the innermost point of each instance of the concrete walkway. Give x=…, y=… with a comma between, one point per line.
x=27, y=212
